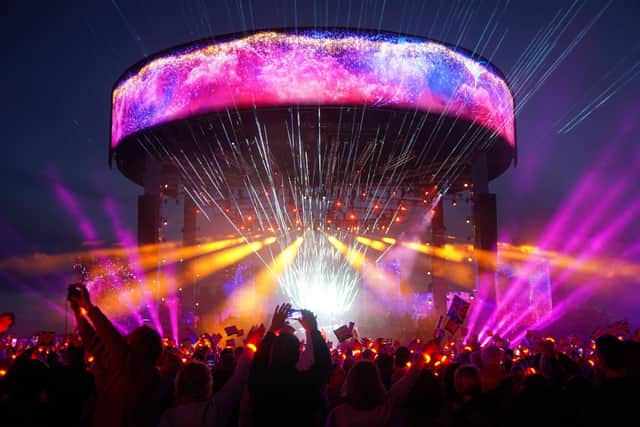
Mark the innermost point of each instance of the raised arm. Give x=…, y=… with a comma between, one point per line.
x=113, y=342
x=260, y=363
x=321, y=367
x=85, y=330
x=104, y=331
x=306, y=358
x=231, y=393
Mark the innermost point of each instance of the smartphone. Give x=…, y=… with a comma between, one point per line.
x=14, y=342
x=294, y=314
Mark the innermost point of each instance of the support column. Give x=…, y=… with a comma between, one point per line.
x=485, y=228
x=439, y=286
x=189, y=294
x=149, y=204
x=189, y=222
x=149, y=233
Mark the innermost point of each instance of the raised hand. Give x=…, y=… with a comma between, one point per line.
x=308, y=321
x=255, y=334
x=279, y=317
x=80, y=299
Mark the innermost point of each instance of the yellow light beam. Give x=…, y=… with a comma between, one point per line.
x=605, y=267
x=248, y=298
x=209, y=264
x=375, y=244
x=377, y=279
x=150, y=261
x=195, y=269
x=448, y=252
x=42, y=263
x=354, y=257
x=146, y=256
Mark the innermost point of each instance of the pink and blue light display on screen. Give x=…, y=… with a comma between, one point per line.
x=333, y=68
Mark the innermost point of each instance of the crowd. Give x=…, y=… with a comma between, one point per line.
x=98, y=377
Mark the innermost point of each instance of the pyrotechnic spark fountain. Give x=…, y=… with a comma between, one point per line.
x=320, y=280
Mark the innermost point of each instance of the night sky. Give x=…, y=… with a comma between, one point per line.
x=60, y=60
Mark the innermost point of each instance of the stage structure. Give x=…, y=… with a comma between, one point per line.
x=320, y=134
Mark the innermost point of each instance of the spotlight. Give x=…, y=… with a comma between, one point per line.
x=454, y=203
x=468, y=220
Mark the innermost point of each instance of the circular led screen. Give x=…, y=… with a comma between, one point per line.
x=328, y=67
